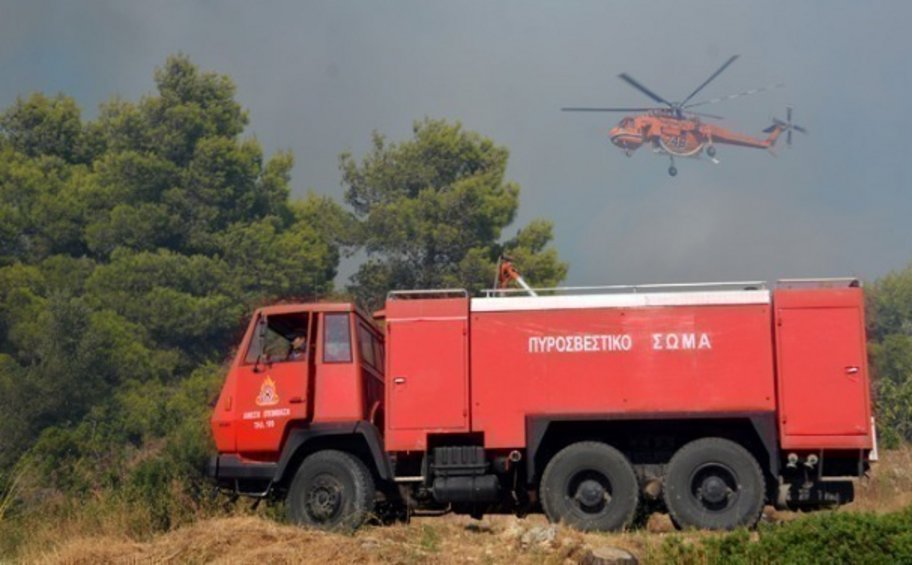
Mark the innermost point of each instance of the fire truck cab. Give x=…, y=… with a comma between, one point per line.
x=590, y=404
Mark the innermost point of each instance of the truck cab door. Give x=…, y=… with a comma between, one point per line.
x=273, y=381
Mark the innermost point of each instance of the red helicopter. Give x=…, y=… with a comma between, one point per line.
x=677, y=131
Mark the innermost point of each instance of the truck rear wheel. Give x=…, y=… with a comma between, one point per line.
x=331, y=490
x=590, y=486
x=714, y=484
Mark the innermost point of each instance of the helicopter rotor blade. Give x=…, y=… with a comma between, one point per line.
x=705, y=115
x=788, y=136
x=711, y=77
x=575, y=109
x=799, y=128
x=632, y=82
x=736, y=95
x=788, y=114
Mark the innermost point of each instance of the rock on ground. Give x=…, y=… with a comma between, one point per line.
x=607, y=555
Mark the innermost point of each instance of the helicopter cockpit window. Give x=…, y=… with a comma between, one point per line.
x=284, y=338
x=627, y=122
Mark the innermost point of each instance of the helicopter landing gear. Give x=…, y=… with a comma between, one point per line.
x=629, y=153
x=711, y=153
x=672, y=170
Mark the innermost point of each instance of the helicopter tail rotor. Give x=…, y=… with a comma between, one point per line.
x=785, y=126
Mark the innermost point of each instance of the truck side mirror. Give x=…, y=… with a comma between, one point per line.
x=262, y=359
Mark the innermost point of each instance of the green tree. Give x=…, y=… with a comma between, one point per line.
x=41, y=125
x=890, y=333
x=131, y=249
x=41, y=206
x=432, y=212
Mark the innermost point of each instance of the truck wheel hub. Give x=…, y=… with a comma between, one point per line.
x=591, y=493
x=715, y=486
x=714, y=490
x=325, y=498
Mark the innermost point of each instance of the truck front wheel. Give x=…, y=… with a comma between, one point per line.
x=714, y=484
x=331, y=490
x=590, y=486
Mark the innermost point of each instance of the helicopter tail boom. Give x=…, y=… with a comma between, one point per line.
x=774, y=132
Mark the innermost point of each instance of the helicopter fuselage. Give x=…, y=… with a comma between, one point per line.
x=679, y=137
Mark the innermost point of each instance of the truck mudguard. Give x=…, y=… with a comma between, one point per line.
x=297, y=439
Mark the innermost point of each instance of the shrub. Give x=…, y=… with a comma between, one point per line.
x=831, y=537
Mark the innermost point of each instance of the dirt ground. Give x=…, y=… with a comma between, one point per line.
x=447, y=539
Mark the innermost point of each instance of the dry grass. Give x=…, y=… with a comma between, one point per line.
x=890, y=486
x=17, y=474
x=450, y=539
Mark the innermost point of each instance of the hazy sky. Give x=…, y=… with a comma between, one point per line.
x=318, y=77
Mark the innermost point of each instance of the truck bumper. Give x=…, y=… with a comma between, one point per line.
x=229, y=468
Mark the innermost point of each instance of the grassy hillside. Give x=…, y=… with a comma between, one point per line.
x=875, y=528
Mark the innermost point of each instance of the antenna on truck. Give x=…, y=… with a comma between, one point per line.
x=506, y=272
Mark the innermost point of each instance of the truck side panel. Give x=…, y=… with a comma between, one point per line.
x=700, y=354
x=823, y=388
x=427, y=370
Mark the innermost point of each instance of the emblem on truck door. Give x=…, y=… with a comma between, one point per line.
x=268, y=395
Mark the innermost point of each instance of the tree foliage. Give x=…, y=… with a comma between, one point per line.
x=890, y=349
x=131, y=249
x=433, y=210
x=40, y=125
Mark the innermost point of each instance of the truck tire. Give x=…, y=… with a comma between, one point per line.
x=714, y=484
x=590, y=486
x=332, y=490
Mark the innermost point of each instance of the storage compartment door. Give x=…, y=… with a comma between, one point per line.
x=428, y=375
x=822, y=371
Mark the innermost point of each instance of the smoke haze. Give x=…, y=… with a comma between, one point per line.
x=318, y=77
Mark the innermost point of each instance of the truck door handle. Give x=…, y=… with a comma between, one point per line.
x=399, y=380
x=851, y=370
x=295, y=400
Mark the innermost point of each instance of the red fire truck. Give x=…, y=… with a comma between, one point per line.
x=590, y=404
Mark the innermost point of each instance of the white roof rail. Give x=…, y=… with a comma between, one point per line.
x=427, y=293
x=623, y=289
